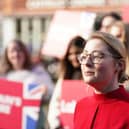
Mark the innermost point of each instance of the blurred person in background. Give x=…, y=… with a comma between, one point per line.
x=18, y=67
x=117, y=29
x=97, y=22
x=52, y=64
x=103, y=67
x=70, y=70
x=103, y=21
x=120, y=30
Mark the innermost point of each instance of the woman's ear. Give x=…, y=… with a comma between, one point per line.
x=120, y=65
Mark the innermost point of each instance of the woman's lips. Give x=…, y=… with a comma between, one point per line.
x=88, y=73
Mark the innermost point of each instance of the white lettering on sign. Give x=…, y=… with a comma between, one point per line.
x=7, y=102
x=6, y=109
x=67, y=107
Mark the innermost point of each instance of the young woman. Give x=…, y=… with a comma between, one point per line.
x=70, y=70
x=107, y=19
x=18, y=67
x=103, y=67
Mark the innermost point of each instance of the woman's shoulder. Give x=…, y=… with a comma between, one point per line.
x=18, y=75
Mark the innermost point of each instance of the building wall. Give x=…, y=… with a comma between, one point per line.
x=31, y=30
x=29, y=20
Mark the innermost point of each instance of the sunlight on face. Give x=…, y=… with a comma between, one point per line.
x=98, y=74
x=106, y=23
x=117, y=32
x=72, y=56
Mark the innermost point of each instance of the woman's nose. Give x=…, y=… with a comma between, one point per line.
x=88, y=61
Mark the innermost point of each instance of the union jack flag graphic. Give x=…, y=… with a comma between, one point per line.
x=31, y=95
x=30, y=116
x=19, y=105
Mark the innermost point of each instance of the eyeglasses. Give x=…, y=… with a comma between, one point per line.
x=96, y=57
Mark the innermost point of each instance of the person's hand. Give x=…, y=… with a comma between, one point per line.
x=44, y=90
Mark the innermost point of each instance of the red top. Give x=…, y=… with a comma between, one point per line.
x=103, y=111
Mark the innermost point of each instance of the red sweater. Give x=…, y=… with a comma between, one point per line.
x=103, y=111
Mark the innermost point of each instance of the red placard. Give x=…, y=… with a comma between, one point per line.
x=10, y=104
x=19, y=105
x=125, y=13
x=72, y=91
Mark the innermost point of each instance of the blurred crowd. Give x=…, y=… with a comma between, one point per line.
x=18, y=64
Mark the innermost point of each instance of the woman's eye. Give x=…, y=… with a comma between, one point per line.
x=99, y=56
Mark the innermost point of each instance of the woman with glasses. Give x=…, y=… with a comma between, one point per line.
x=103, y=68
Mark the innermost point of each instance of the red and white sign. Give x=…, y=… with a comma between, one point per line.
x=19, y=105
x=72, y=91
x=125, y=13
x=64, y=26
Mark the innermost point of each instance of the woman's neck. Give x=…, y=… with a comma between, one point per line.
x=105, y=88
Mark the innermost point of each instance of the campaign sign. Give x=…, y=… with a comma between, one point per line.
x=61, y=31
x=19, y=105
x=72, y=91
x=125, y=13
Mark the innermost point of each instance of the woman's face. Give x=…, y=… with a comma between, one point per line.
x=106, y=23
x=72, y=56
x=99, y=70
x=117, y=32
x=15, y=56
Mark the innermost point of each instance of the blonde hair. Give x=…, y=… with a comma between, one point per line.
x=116, y=46
x=124, y=28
